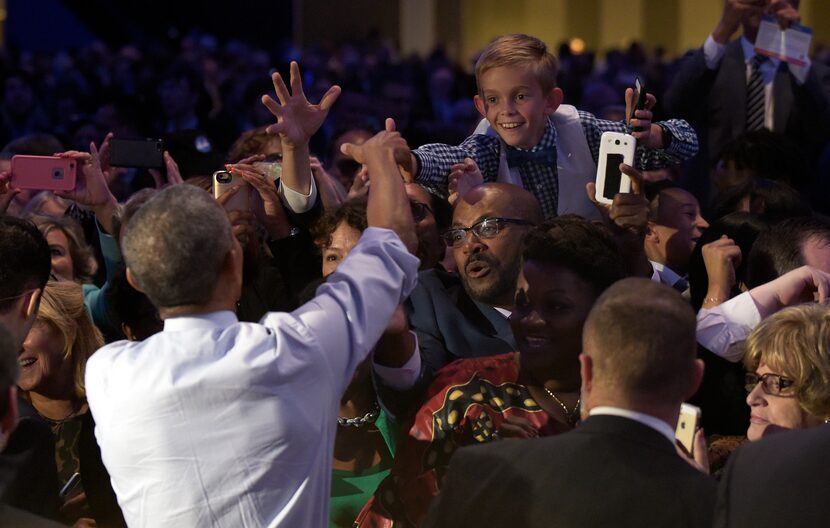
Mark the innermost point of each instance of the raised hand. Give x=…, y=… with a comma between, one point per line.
x=297, y=118
x=642, y=120
x=720, y=257
x=389, y=140
x=804, y=284
x=628, y=211
x=174, y=176
x=273, y=218
x=462, y=178
x=91, y=189
x=734, y=12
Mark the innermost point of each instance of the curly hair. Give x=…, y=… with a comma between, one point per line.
x=353, y=212
x=579, y=245
x=796, y=342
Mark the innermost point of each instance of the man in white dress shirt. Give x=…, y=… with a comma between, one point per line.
x=213, y=422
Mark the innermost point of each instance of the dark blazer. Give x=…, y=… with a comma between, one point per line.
x=783, y=480
x=450, y=325
x=609, y=471
x=714, y=103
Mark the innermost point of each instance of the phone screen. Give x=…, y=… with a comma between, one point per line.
x=613, y=176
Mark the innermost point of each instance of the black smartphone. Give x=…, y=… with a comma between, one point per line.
x=640, y=98
x=141, y=153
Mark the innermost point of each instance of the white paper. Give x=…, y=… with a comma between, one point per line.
x=792, y=45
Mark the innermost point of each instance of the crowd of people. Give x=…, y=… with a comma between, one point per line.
x=359, y=332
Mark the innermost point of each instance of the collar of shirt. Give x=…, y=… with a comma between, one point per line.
x=667, y=275
x=209, y=321
x=646, y=419
x=505, y=313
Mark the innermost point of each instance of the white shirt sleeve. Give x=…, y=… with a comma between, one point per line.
x=403, y=377
x=727, y=324
x=713, y=52
x=298, y=202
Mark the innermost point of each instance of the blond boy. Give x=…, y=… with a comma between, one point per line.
x=534, y=140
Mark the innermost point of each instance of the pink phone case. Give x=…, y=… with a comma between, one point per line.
x=44, y=173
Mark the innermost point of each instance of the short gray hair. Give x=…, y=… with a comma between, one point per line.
x=176, y=244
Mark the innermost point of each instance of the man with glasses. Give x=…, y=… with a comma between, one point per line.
x=465, y=314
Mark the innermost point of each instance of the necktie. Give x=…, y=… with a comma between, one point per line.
x=755, y=97
x=681, y=285
x=516, y=158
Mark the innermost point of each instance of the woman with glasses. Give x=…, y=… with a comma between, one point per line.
x=788, y=376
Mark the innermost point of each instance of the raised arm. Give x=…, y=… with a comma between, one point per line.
x=297, y=121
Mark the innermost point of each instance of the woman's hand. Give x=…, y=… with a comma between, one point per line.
x=720, y=257
x=517, y=427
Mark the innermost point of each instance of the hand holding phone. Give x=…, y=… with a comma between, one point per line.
x=640, y=102
x=687, y=424
x=223, y=183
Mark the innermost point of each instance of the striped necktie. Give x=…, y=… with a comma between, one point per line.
x=755, y=95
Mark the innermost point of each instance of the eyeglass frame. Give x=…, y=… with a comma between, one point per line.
x=751, y=380
x=478, y=226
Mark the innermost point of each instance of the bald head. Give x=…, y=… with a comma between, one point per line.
x=640, y=336
x=489, y=264
x=510, y=201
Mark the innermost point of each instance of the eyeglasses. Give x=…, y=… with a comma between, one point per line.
x=772, y=384
x=487, y=228
x=419, y=210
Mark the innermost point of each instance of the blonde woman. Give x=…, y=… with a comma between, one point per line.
x=53, y=364
x=787, y=361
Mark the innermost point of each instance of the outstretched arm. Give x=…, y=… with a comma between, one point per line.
x=297, y=121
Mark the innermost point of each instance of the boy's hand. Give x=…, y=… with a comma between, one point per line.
x=462, y=178
x=297, y=118
x=650, y=136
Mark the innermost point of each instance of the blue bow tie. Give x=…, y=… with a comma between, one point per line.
x=517, y=158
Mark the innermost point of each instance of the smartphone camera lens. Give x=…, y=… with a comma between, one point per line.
x=223, y=177
x=617, y=142
x=57, y=174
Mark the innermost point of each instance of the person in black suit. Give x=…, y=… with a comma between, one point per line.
x=714, y=92
x=779, y=481
x=620, y=467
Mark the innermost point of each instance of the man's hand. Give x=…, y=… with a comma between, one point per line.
x=734, y=12
x=91, y=189
x=720, y=257
x=297, y=118
x=462, y=178
x=174, y=177
x=628, y=211
x=785, y=13
x=627, y=218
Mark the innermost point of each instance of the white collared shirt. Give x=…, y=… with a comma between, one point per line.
x=646, y=419
x=213, y=422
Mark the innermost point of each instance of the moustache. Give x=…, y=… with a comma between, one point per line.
x=481, y=257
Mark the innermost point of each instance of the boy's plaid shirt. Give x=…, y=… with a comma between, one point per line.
x=436, y=159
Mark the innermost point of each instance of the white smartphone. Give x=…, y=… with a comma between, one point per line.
x=223, y=181
x=614, y=148
x=687, y=424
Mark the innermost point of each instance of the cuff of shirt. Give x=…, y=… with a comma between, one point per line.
x=655, y=275
x=297, y=201
x=683, y=138
x=427, y=167
x=800, y=72
x=713, y=52
x=403, y=377
x=729, y=323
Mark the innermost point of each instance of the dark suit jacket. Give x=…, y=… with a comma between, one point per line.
x=714, y=103
x=450, y=325
x=609, y=471
x=783, y=480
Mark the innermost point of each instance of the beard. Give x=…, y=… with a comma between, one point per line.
x=497, y=285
